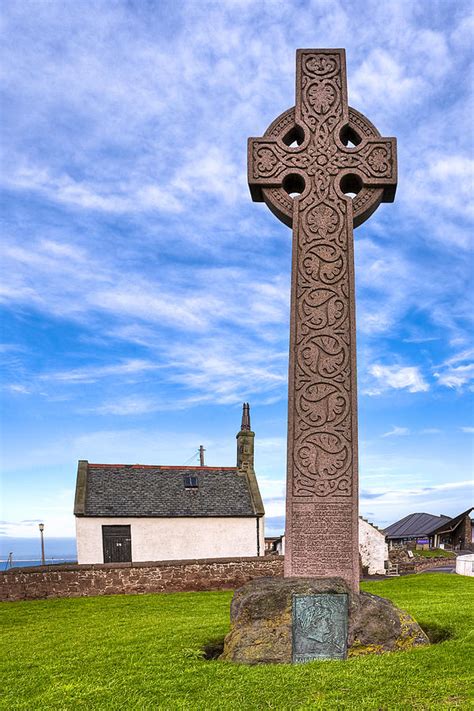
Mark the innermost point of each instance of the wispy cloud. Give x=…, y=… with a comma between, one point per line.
x=397, y=377
x=18, y=388
x=390, y=504
x=421, y=339
x=81, y=195
x=397, y=432
x=63, y=279
x=129, y=406
x=380, y=74
x=233, y=351
x=457, y=371
x=91, y=374
x=410, y=492
x=226, y=373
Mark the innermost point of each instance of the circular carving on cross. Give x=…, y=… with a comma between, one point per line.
x=321, y=96
x=323, y=220
x=359, y=126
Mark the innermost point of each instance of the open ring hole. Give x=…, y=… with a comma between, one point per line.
x=293, y=184
x=351, y=185
x=294, y=137
x=349, y=137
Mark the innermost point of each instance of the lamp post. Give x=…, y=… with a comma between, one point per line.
x=41, y=528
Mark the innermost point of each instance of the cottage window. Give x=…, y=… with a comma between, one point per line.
x=190, y=481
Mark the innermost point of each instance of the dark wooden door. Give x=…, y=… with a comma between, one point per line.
x=117, y=543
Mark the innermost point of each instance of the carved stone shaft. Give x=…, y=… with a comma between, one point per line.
x=304, y=167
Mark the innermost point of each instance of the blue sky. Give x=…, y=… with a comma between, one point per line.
x=145, y=297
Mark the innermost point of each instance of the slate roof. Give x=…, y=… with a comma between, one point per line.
x=149, y=491
x=451, y=524
x=415, y=525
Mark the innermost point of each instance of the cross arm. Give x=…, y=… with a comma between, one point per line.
x=321, y=86
x=269, y=163
x=264, y=166
x=376, y=161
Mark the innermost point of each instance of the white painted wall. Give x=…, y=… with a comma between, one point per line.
x=173, y=538
x=372, y=548
x=465, y=564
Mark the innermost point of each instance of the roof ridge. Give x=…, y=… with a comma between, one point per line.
x=158, y=466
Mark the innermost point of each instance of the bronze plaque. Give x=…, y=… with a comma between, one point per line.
x=319, y=627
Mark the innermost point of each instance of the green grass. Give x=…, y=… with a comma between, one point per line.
x=143, y=652
x=435, y=553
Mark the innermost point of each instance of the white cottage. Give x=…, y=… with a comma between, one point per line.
x=135, y=512
x=373, y=547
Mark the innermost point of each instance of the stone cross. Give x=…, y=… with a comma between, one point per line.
x=322, y=168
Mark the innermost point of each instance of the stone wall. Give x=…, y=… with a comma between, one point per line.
x=418, y=565
x=465, y=532
x=132, y=578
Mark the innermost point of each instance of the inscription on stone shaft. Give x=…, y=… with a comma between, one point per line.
x=310, y=162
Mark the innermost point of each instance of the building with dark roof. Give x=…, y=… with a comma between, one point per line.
x=428, y=530
x=135, y=512
x=457, y=533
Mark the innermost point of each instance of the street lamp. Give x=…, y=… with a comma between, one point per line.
x=41, y=528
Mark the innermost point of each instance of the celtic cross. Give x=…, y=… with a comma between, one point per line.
x=322, y=168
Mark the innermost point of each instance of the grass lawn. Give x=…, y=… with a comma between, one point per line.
x=435, y=553
x=143, y=652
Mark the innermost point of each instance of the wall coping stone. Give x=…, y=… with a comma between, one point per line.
x=139, y=564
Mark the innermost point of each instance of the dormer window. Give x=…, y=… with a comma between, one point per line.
x=190, y=481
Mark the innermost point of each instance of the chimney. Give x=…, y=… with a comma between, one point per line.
x=245, y=426
x=245, y=441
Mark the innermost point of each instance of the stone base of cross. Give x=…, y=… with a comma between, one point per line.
x=322, y=168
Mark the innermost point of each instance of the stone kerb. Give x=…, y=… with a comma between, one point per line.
x=134, y=578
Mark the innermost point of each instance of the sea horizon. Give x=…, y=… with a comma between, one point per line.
x=26, y=552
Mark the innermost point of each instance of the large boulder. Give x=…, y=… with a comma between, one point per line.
x=261, y=621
